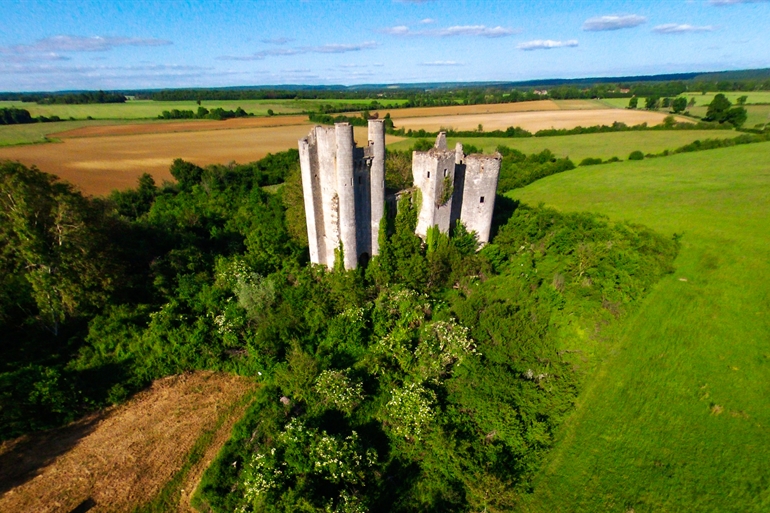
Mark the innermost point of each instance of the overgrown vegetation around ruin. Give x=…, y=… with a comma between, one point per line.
x=433, y=379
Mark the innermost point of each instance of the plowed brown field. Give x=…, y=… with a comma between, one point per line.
x=121, y=459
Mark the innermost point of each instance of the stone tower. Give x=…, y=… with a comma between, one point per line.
x=344, y=192
x=455, y=186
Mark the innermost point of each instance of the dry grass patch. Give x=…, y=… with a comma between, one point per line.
x=119, y=460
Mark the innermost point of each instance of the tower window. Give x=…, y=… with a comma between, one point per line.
x=428, y=174
x=359, y=180
x=446, y=173
x=481, y=199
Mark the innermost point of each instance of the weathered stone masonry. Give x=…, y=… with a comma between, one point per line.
x=344, y=191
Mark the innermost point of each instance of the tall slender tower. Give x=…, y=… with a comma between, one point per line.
x=344, y=192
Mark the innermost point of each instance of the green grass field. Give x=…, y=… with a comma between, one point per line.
x=36, y=132
x=753, y=97
x=701, y=100
x=757, y=114
x=146, y=109
x=578, y=147
x=677, y=416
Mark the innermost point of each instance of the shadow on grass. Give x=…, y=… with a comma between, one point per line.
x=23, y=458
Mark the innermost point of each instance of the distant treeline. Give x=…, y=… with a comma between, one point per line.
x=204, y=113
x=65, y=98
x=257, y=94
x=14, y=116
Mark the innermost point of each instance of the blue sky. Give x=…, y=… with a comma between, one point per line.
x=85, y=44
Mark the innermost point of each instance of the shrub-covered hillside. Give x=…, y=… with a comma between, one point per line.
x=431, y=380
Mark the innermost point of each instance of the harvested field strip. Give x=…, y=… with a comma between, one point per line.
x=176, y=494
x=533, y=121
x=119, y=460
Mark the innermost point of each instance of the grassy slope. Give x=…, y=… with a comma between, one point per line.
x=578, y=147
x=143, y=109
x=677, y=418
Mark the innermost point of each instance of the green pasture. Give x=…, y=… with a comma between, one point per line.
x=677, y=416
x=37, y=132
x=145, y=109
x=753, y=97
x=701, y=100
x=757, y=114
x=578, y=147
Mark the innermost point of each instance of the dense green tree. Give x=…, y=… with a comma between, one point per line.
x=720, y=110
x=633, y=102
x=679, y=104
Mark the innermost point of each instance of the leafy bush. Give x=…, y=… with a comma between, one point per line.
x=636, y=155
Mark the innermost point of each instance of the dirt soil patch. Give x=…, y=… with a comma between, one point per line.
x=533, y=121
x=120, y=459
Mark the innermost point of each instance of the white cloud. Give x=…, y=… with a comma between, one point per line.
x=456, y=30
x=674, y=28
x=546, y=44
x=299, y=50
x=81, y=44
x=398, y=30
x=613, y=22
x=442, y=63
x=427, y=21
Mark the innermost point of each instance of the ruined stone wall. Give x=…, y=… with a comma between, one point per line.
x=478, y=193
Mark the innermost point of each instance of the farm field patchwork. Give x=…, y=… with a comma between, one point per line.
x=149, y=109
x=122, y=459
x=578, y=147
x=677, y=416
x=100, y=164
x=532, y=121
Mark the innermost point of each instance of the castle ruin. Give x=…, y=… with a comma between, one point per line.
x=344, y=191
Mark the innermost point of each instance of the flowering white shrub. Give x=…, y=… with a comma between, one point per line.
x=442, y=345
x=337, y=388
x=303, y=450
x=410, y=410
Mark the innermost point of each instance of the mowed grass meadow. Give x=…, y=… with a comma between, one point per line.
x=149, y=109
x=578, y=147
x=676, y=417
